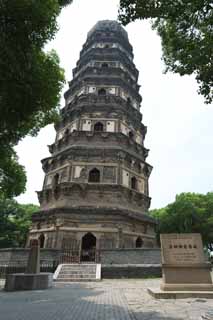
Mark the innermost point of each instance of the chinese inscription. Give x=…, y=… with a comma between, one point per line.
x=180, y=249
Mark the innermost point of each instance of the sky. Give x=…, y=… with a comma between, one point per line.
x=180, y=125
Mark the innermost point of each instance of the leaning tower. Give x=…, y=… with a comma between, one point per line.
x=95, y=192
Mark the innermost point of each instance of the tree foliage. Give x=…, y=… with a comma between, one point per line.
x=189, y=213
x=30, y=78
x=185, y=28
x=15, y=220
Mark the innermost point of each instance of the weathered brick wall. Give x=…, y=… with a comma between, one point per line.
x=117, y=263
x=11, y=255
x=112, y=256
x=131, y=256
x=130, y=271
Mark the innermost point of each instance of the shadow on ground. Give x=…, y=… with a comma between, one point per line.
x=76, y=301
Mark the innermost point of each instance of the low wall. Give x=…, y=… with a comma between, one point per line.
x=134, y=271
x=131, y=256
x=116, y=263
x=11, y=255
x=130, y=263
x=112, y=256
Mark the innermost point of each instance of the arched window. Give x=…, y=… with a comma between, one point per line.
x=131, y=134
x=98, y=127
x=56, y=179
x=41, y=240
x=94, y=175
x=138, y=242
x=134, y=183
x=105, y=65
x=102, y=92
x=66, y=132
x=139, y=167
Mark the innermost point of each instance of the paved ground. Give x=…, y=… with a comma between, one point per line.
x=105, y=300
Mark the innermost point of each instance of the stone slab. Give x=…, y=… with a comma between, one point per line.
x=184, y=267
x=23, y=281
x=182, y=249
x=157, y=293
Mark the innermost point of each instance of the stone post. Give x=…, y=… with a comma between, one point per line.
x=33, y=263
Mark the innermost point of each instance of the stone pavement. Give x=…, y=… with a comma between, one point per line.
x=106, y=300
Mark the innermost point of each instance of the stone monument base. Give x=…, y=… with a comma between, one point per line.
x=28, y=281
x=186, y=287
x=192, y=277
x=157, y=293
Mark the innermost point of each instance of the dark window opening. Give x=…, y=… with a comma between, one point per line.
x=138, y=165
x=105, y=65
x=98, y=127
x=102, y=92
x=128, y=100
x=41, y=240
x=131, y=134
x=134, y=183
x=56, y=179
x=139, y=242
x=94, y=175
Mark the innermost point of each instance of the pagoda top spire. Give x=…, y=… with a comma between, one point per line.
x=108, y=26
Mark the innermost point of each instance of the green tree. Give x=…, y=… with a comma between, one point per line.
x=12, y=174
x=22, y=221
x=185, y=28
x=189, y=213
x=30, y=78
x=15, y=222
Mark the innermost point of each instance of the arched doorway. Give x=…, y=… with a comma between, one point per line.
x=41, y=240
x=98, y=127
x=134, y=183
x=105, y=65
x=128, y=100
x=94, y=175
x=55, y=180
x=88, y=247
x=131, y=134
x=102, y=92
x=139, y=242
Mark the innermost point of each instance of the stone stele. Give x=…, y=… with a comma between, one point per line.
x=32, y=279
x=186, y=273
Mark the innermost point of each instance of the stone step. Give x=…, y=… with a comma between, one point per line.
x=67, y=268
x=77, y=275
x=77, y=272
x=75, y=279
x=80, y=269
x=80, y=266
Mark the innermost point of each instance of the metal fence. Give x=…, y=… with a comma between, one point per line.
x=81, y=256
x=65, y=256
x=19, y=266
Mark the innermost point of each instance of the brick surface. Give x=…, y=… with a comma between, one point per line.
x=106, y=300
